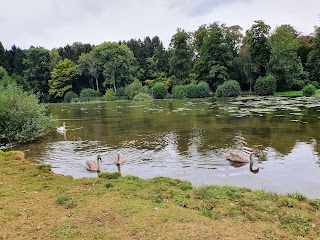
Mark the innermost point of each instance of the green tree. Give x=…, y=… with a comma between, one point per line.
x=182, y=55
x=74, y=51
x=259, y=48
x=88, y=67
x=313, y=64
x=54, y=57
x=61, y=78
x=215, y=56
x=37, y=71
x=2, y=55
x=285, y=64
x=116, y=63
x=14, y=60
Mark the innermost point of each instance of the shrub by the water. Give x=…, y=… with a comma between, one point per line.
x=178, y=92
x=110, y=95
x=229, y=88
x=265, y=85
x=142, y=97
x=298, y=85
x=191, y=90
x=309, y=90
x=200, y=90
x=133, y=89
x=69, y=96
x=89, y=94
x=159, y=90
x=203, y=90
x=23, y=118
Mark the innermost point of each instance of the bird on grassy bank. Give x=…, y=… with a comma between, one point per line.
x=94, y=166
x=119, y=160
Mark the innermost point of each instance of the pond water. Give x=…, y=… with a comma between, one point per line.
x=187, y=139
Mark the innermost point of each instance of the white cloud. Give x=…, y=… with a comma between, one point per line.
x=55, y=23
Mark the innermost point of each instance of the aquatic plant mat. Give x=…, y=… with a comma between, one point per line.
x=37, y=204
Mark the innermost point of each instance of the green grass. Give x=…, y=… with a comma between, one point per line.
x=293, y=93
x=37, y=204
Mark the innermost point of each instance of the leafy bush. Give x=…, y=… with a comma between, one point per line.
x=22, y=117
x=316, y=84
x=89, y=94
x=298, y=85
x=203, y=89
x=120, y=93
x=142, y=97
x=159, y=90
x=191, y=90
x=110, y=95
x=133, y=89
x=178, y=92
x=229, y=88
x=265, y=85
x=309, y=90
x=69, y=96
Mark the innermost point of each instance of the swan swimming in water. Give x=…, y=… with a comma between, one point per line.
x=62, y=129
x=238, y=157
x=94, y=166
x=119, y=160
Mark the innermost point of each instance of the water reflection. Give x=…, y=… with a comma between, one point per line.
x=188, y=140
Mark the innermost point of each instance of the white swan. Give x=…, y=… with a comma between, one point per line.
x=94, y=166
x=62, y=129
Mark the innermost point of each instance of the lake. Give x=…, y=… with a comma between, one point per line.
x=187, y=139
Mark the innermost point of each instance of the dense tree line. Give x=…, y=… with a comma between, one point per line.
x=213, y=54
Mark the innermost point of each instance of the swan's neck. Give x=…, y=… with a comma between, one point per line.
x=251, y=160
x=98, y=161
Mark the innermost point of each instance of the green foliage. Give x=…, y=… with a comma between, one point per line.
x=182, y=54
x=203, y=90
x=109, y=175
x=298, y=85
x=200, y=90
x=285, y=64
x=110, y=95
x=69, y=96
x=216, y=54
x=89, y=94
x=22, y=117
x=265, y=85
x=133, y=89
x=159, y=90
x=309, y=90
x=229, y=88
x=313, y=62
x=115, y=63
x=142, y=97
x=191, y=90
x=61, y=78
x=178, y=92
x=37, y=71
x=259, y=47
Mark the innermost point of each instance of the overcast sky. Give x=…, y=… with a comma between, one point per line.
x=56, y=23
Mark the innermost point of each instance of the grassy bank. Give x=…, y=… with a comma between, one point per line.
x=293, y=93
x=37, y=204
